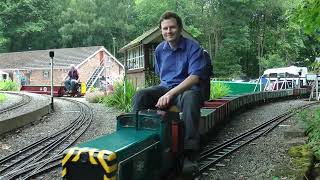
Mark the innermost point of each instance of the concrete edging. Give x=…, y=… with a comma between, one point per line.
x=24, y=119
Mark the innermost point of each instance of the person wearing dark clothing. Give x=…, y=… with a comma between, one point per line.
x=181, y=66
x=73, y=77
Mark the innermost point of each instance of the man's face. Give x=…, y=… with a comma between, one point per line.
x=170, y=30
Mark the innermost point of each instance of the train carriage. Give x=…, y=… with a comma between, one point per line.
x=58, y=90
x=149, y=144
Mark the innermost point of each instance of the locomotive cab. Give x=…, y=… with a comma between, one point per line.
x=169, y=130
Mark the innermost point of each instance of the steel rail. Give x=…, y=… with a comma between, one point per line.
x=62, y=139
x=213, y=155
x=41, y=144
x=25, y=99
x=85, y=117
x=50, y=164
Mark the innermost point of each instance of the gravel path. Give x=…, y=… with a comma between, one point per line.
x=103, y=123
x=264, y=157
x=255, y=161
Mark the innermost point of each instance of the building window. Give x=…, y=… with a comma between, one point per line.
x=46, y=74
x=135, y=59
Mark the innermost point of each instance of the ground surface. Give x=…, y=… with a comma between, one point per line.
x=259, y=160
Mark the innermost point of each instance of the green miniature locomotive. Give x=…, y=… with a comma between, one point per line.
x=147, y=145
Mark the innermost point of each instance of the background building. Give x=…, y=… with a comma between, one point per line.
x=33, y=67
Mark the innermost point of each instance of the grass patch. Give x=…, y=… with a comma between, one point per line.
x=218, y=89
x=8, y=85
x=123, y=101
x=120, y=99
x=94, y=97
x=3, y=97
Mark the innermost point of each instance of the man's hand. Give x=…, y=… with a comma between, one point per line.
x=164, y=101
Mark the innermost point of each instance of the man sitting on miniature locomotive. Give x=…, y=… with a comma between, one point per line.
x=181, y=66
x=71, y=82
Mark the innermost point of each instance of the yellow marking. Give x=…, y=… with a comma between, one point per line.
x=112, y=156
x=83, y=88
x=77, y=157
x=91, y=158
x=108, y=169
x=68, y=155
x=64, y=172
x=112, y=178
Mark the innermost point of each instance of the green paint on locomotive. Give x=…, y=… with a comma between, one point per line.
x=238, y=88
x=141, y=143
x=123, y=141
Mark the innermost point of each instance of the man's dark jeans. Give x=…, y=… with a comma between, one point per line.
x=189, y=102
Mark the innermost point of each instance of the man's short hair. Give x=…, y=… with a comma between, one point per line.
x=168, y=15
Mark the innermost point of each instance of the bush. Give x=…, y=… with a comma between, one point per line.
x=120, y=100
x=312, y=123
x=3, y=97
x=8, y=85
x=94, y=97
x=218, y=89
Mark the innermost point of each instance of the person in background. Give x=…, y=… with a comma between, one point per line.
x=264, y=81
x=181, y=66
x=73, y=78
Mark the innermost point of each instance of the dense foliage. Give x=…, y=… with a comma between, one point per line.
x=311, y=118
x=218, y=89
x=121, y=98
x=242, y=36
x=308, y=16
x=8, y=86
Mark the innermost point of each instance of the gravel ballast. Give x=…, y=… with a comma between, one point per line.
x=255, y=161
x=104, y=122
x=264, y=157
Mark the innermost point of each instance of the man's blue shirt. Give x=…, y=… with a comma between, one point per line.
x=174, y=66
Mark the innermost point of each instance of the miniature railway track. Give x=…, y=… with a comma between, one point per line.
x=25, y=99
x=212, y=155
x=47, y=152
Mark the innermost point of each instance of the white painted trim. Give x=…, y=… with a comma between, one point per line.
x=112, y=57
x=95, y=53
x=88, y=58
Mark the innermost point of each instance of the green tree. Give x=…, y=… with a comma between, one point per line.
x=96, y=22
x=308, y=16
x=27, y=24
x=242, y=36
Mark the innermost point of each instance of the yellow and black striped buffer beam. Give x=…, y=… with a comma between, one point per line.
x=81, y=157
